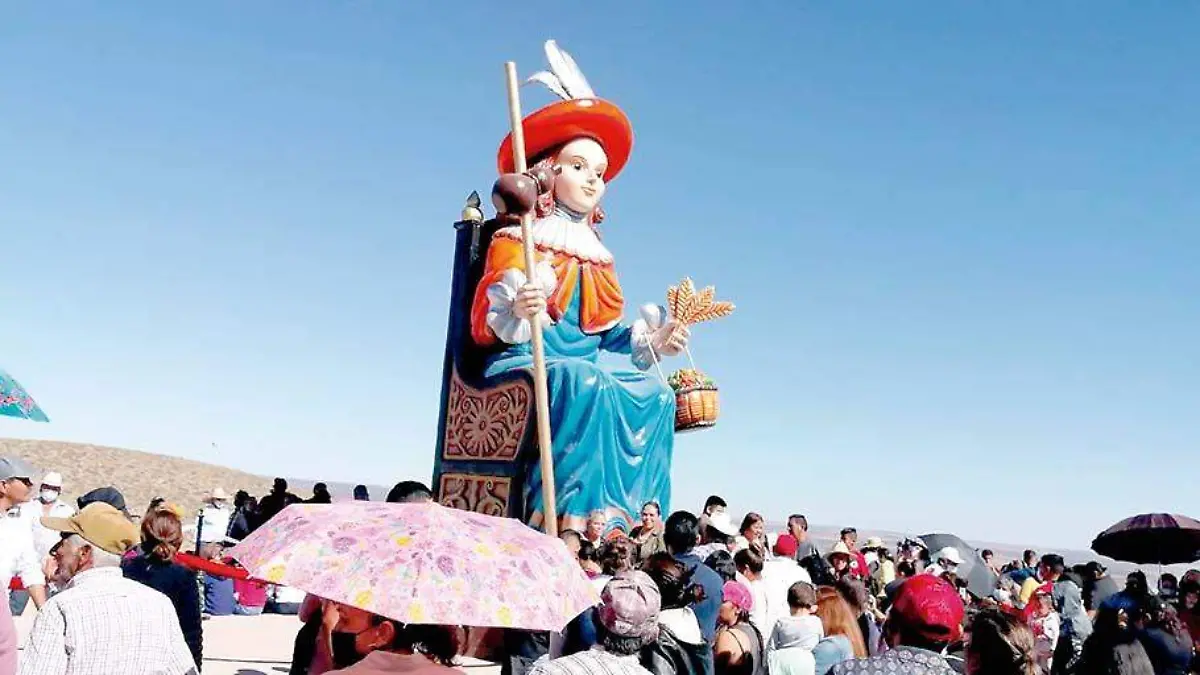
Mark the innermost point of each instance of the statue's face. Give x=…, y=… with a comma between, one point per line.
x=580, y=183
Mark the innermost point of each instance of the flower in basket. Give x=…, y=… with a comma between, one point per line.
x=696, y=402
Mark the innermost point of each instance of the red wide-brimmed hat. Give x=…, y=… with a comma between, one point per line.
x=580, y=115
x=560, y=123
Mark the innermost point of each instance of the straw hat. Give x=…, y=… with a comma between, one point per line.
x=839, y=548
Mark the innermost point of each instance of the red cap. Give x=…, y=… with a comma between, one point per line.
x=928, y=606
x=786, y=546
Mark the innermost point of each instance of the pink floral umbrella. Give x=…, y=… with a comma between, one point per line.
x=421, y=563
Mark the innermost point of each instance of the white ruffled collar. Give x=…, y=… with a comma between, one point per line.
x=559, y=233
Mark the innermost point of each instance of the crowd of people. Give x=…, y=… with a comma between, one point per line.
x=681, y=595
x=737, y=600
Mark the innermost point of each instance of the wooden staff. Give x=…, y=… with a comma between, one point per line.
x=541, y=394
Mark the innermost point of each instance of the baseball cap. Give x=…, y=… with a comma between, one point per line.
x=101, y=525
x=629, y=605
x=786, y=546
x=721, y=522
x=53, y=479
x=15, y=467
x=930, y=607
x=736, y=594
x=108, y=495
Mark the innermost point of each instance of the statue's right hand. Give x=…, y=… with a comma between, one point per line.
x=530, y=302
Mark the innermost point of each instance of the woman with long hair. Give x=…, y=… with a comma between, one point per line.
x=154, y=566
x=1113, y=647
x=752, y=532
x=680, y=648
x=1000, y=644
x=739, y=648
x=1165, y=638
x=1189, y=608
x=843, y=638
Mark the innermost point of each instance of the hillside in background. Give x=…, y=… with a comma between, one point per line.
x=141, y=476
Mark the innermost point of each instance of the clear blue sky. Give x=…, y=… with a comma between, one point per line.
x=962, y=238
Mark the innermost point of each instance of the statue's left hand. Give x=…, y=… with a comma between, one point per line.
x=671, y=339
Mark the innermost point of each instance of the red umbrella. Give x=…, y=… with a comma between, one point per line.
x=1151, y=538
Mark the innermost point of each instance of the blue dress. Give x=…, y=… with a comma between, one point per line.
x=613, y=426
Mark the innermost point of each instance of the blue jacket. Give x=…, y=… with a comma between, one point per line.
x=707, y=610
x=177, y=583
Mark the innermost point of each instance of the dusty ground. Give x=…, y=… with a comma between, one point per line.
x=253, y=645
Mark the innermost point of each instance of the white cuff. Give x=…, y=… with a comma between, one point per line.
x=502, y=294
x=652, y=317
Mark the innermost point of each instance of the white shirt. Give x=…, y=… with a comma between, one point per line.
x=18, y=558
x=779, y=574
x=287, y=594
x=44, y=539
x=213, y=523
x=105, y=624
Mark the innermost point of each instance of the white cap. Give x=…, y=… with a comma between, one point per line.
x=949, y=554
x=721, y=522
x=218, y=494
x=53, y=479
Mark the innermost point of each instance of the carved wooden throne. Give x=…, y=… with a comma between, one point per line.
x=485, y=430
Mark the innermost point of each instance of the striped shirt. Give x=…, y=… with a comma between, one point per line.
x=105, y=624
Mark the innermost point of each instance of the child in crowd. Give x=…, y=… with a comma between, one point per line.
x=789, y=651
x=1044, y=622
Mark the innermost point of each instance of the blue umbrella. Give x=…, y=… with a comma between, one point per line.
x=16, y=402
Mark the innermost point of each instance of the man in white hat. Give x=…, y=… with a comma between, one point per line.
x=719, y=535
x=213, y=523
x=17, y=555
x=946, y=560
x=47, y=505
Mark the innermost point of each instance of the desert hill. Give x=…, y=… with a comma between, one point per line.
x=140, y=476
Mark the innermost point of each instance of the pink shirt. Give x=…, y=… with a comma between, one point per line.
x=8, y=641
x=389, y=663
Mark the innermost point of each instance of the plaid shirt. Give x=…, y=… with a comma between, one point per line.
x=595, y=661
x=105, y=624
x=898, y=661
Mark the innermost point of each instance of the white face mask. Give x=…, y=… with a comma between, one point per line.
x=48, y=496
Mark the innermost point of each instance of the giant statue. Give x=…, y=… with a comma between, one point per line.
x=612, y=415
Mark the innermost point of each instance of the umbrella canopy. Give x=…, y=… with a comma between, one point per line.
x=981, y=581
x=16, y=402
x=421, y=563
x=1151, y=538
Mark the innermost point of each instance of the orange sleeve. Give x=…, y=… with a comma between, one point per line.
x=503, y=254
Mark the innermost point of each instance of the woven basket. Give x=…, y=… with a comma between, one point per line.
x=696, y=408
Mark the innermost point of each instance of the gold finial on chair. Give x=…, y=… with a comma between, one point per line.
x=471, y=213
